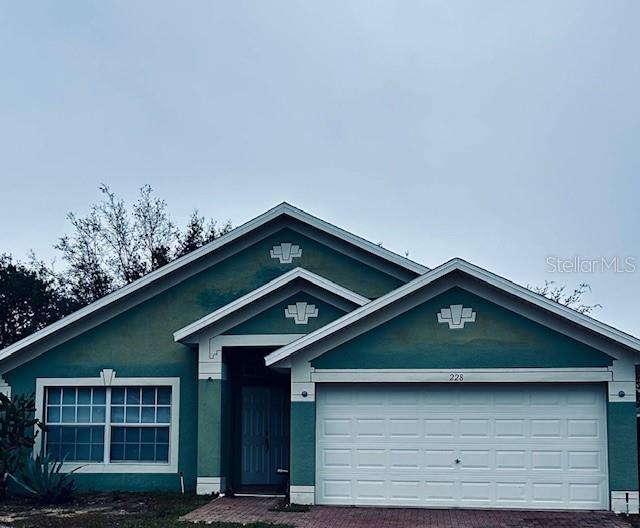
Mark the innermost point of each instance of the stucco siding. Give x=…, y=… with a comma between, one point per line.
x=303, y=443
x=499, y=338
x=623, y=446
x=139, y=342
x=273, y=321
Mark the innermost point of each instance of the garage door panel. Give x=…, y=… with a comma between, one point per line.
x=527, y=458
x=340, y=427
x=583, y=428
x=474, y=428
x=439, y=428
x=515, y=447
x=513, y=460
x=585, y=460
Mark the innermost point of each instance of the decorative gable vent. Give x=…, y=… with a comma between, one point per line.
x=286, y=252
x=300, y=312
x=456, y=316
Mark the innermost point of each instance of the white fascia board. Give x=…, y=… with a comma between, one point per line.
x=355, y=240
x=457, y=264
x=152, y=277
x=258, y=293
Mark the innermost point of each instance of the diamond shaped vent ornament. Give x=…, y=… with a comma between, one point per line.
x=286, y=252
x=300, y=312
x=456, y=316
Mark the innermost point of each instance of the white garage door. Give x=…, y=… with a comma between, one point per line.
x=492, y=445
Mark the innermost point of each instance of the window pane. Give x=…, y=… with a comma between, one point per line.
x=84, y=414
x=97, y=435
x=67, y=452
x=54, y=395
x=84, y=395
x=139, y=444
x=132, y=435
x=54, y=434
x=76, y=443
x=117, y=434
x=147, y=453
x=83, y=435
x=132, y=451
x=163, y=435
x=162, y=453
x=97, y=452
x=83, y=452
x=133, y=395
x=117, y=414
x=53, y=414
x=69, y=395
x=148, y=414
x=117, y=452
x=99, y=397
x=117, y=395
x=133, y=414
x=68, y=414
x=149, y=395
x=71, y=405
x=98, y=414
x=164, y=395
x=164, y=415
x=54, y=451
x=148, y=434
x=76, y=404
x=68, y=434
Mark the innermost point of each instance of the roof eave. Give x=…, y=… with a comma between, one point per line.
x=457, y=264
x=152, y=277
x=187, y=333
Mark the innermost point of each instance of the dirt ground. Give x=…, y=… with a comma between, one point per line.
x=101, y=510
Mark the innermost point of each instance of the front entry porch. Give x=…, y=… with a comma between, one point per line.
x=243, y=425
x=259, y=406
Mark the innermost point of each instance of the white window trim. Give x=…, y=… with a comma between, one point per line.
x=108, y=378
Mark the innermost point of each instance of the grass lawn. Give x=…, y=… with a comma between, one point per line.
x=110, y=510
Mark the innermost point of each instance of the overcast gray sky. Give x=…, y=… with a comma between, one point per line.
x=501, y=132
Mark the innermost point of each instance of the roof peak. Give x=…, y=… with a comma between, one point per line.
x=236, y=233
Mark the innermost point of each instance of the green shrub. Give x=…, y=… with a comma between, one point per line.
x=17, y=434
x=42, y=477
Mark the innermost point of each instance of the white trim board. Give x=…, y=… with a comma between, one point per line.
x=188, y=331
x=461, y=376
x=151, y=278
x=108, y=378
x=210, y=365
x=457, y=264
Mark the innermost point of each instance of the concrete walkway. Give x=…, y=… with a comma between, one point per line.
x=246, y=510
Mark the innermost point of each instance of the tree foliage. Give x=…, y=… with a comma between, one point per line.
x=572, y=299
x=198, y=233
x=113, y=245
x=31, y=297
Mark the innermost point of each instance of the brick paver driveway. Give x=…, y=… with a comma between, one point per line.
x=250, y=509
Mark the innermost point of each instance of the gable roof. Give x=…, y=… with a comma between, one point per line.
x=279, y=282
x=157, y=275
x=456, y=264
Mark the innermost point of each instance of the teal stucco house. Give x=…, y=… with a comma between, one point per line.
x=292, y=346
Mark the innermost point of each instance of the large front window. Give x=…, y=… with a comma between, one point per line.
x=108, y=424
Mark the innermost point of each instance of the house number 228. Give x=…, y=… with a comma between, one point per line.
x=456, y=377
